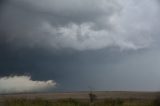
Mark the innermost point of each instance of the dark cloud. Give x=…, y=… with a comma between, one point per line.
x=103, y=69
x=107, y=44
x=2, y=2
x=79, y=24
x=65, y=68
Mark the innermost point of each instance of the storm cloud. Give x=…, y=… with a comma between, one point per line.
x=106, y=44
x=79, y=24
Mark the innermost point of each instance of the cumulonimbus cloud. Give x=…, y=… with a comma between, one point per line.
x=18, y=84
x=80, y=24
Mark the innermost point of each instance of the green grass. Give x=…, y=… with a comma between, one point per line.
x=72, y=102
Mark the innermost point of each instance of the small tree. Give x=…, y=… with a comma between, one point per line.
x=92, y=97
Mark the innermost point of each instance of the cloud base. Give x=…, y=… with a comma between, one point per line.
x=86, y=25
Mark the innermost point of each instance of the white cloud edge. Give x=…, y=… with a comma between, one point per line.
x=18, y=84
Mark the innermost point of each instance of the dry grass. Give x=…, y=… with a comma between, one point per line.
x=73, y=102
x=82, y=99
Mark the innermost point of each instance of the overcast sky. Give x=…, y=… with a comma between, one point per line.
x=72, y=45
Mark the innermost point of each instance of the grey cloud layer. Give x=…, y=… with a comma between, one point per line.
x=80, y=24
x=34, y=25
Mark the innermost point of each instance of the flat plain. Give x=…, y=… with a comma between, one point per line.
x=84, y=95
x=103, y=98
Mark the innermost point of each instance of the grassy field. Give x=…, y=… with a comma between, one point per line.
x=72, y=102
x=82, y=99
